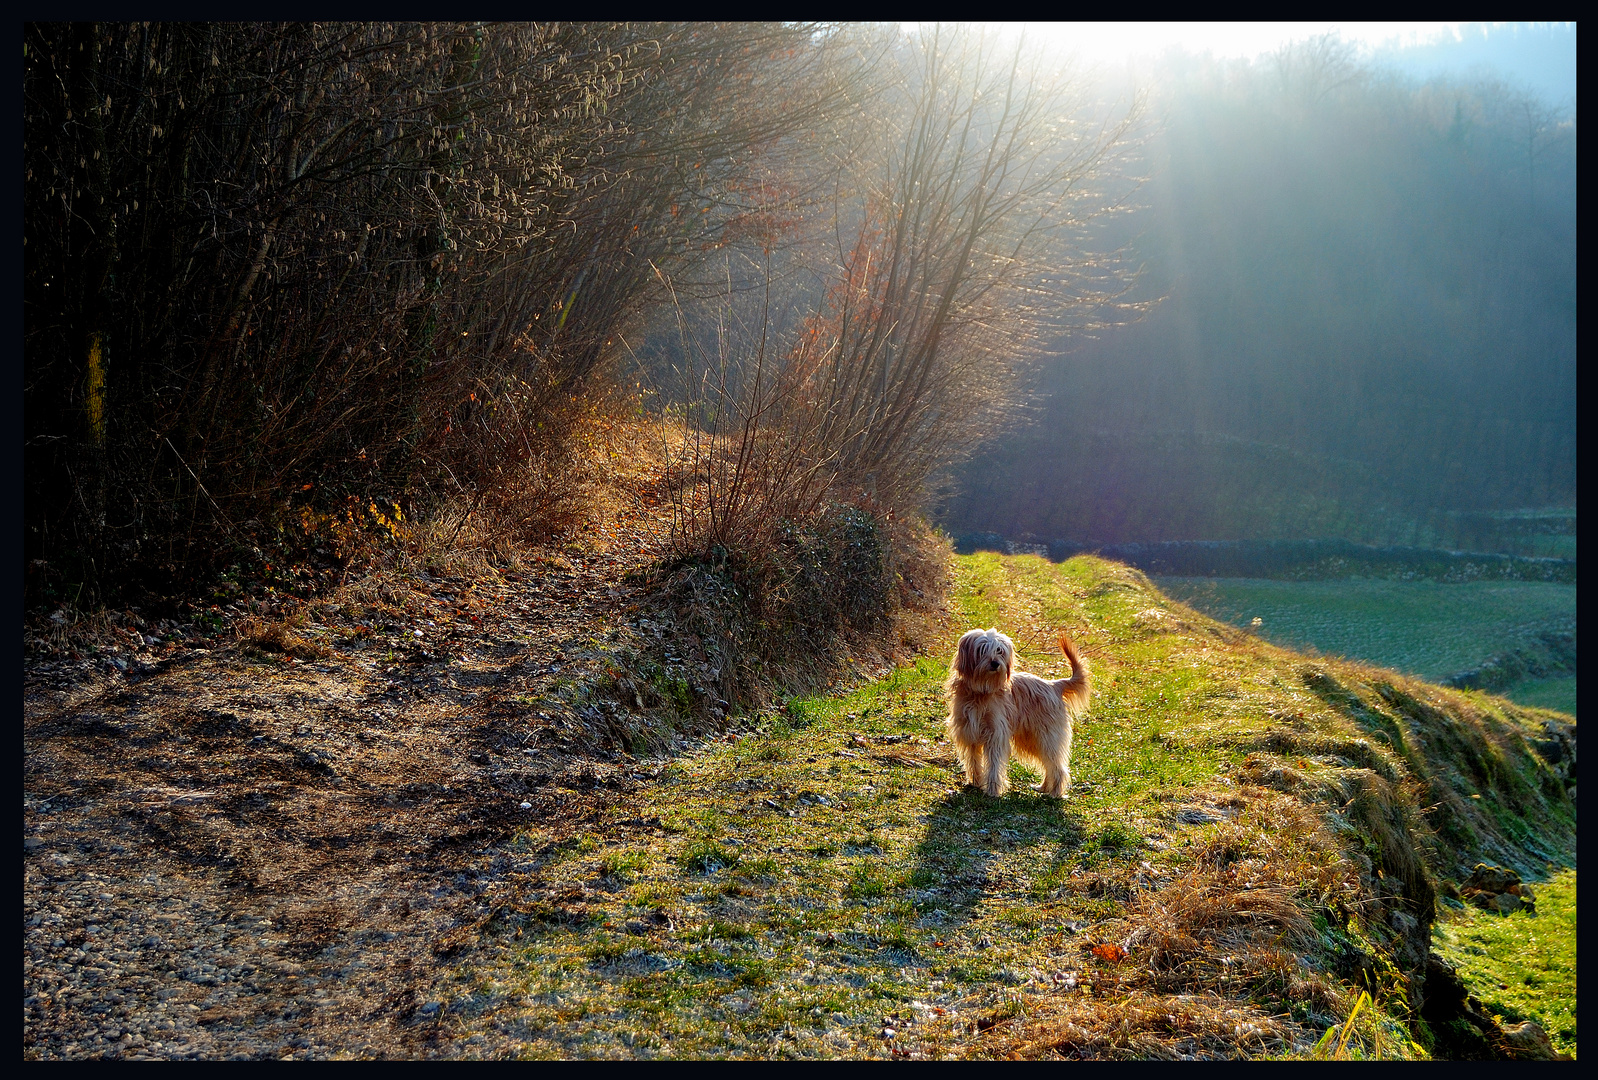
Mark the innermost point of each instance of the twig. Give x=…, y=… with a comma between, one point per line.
x=225, y=520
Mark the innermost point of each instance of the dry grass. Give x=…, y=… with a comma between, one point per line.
x=69, y=630
x=1142, y=1027
x=280, y=636
x=600, y=498
x=1245, y=929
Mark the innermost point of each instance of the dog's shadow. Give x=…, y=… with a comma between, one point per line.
x=967, y=832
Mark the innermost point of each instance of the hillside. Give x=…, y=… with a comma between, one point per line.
x=1253, y=839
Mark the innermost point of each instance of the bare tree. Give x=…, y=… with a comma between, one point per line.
x=961, y=254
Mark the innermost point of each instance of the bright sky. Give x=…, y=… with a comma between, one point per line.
x=1103, y=43
x=1539, y=55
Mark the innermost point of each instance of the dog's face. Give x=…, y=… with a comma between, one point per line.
x=983, y=659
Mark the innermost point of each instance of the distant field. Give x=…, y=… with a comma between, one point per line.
x=1426, y=628
x=1559, y=693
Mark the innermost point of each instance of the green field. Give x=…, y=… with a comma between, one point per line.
x=1423, y=628
x=1522, y=966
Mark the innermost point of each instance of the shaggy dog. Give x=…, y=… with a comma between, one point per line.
x=995, y=711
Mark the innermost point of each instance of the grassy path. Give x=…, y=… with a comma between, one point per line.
x=822, y=886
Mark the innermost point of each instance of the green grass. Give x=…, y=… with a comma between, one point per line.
x=1425, y=628
x=1522, y=966
x=1557, y=693
x=828, y=869
x=624, y=865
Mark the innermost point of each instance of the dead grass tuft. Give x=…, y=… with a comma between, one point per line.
x=1387, y=814
x=1161, y=1027
x=1204, y=913
x=279, y=636
x=68, y=630
x=1247, y=900
x=1276, y=840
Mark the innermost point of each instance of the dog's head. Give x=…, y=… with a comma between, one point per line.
x=983, y=660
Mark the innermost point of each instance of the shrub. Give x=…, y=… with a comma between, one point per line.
x=267, y=266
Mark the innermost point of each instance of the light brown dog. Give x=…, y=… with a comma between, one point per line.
x=995, y=711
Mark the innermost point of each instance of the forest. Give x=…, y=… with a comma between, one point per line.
x=1364, y=327
x=281, y=277
x=273, y=273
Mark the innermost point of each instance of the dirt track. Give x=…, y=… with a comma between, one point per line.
x=229, y=852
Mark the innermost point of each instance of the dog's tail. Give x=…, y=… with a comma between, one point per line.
x=1075, y=689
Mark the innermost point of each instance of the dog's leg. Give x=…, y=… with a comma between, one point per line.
x=997, y=752
x=1065, y=757
x=1057, y=762
x=973, y=742
x=962, y=735
x=1051, y=779
x=1056, y=779
x=964, y=752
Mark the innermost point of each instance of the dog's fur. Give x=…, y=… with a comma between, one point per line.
x=995, y=711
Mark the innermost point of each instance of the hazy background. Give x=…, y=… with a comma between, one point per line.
x=1361, y=252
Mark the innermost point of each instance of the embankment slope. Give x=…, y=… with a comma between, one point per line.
x=1255, y=839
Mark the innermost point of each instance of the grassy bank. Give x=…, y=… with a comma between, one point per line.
x=1250, y=845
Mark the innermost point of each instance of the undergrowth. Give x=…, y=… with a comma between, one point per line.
x=362, y=556
x=845, y=591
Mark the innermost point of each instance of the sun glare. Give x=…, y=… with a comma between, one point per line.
x=1099, y=43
